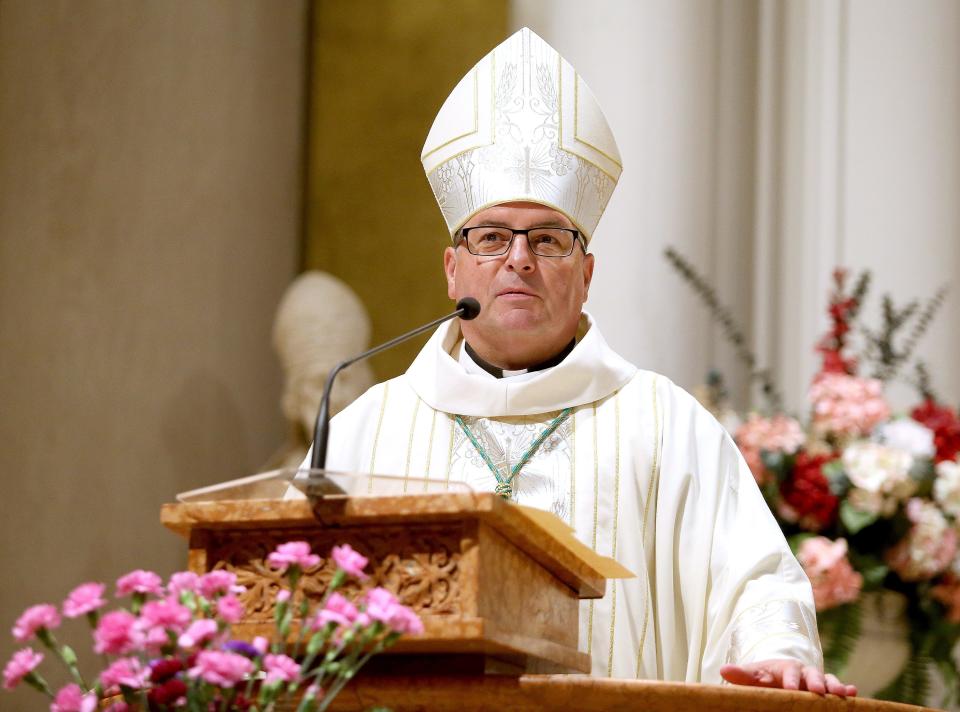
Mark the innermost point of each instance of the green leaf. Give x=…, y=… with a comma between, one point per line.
x=854, y=519
x=797, y=539
x=873, y=570
x=912, y=685
x=840, y=630
x=836, y=477
x=69, y=657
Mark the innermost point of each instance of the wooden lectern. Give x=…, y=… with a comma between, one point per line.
x=498, y=593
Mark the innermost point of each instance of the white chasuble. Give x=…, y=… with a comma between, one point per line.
x=641, y=472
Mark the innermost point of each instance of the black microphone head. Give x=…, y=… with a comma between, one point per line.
x=470, y=308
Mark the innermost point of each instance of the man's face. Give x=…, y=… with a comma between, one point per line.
x=530, y=305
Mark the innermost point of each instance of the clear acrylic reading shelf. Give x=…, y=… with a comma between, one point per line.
x=293, y=483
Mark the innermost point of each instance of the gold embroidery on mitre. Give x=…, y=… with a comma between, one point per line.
x=529, y=130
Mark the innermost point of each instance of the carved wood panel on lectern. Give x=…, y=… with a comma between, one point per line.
x=421, y=565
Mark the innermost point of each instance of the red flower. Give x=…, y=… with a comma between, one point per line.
x=167, y=693
x=808, y=494
x=945, y=425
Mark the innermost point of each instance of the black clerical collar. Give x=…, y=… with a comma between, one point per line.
x=497, y=372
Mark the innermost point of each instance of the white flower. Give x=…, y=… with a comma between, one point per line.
x=946, y=487
x=908, y=435
x=880, y=476
x=877, y=468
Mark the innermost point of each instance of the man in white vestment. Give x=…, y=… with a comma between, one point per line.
x=529, y=401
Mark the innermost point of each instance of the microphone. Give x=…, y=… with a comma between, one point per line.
x=467, y=308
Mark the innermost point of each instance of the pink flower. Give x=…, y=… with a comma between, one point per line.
x=22, y=663
x=338, y=610
x=183, y=581
x=350, y=561
x=221, y=669
x=283, y=595
x=166, y=614
x=313, y=691
x=230, y=609
x=929, y=546
x=85, y=598
x=847, y=406
x=198, y=633
x=117, y=634
x=280, y=668
x=140, y=581
x=34, y=619
x=293, y=553
x=383, y=606
x=777, y=434
x=218, y=582
x=125, y=672
x=833, y=579
x=261, y=644
x=70, y=698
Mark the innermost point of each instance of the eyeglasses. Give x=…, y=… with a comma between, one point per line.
x=491, y=240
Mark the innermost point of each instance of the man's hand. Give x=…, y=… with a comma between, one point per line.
x=787, y=674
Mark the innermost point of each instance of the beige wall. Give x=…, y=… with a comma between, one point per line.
x=150, y=182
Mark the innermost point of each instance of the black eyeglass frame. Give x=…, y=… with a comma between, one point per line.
x=577, y=239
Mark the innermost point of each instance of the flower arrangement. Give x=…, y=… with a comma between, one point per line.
x=867, y=500
x=171, y=647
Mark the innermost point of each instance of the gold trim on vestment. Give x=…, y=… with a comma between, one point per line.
x=654, y=476
x=413, y=429
x=450, y=451
x=616, y=522
x=573, y=468
x=433, y=423
x=596, y=490
x=376, y=436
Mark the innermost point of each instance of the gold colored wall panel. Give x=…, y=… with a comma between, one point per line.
x=381, y=69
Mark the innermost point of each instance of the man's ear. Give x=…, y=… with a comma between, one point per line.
x=588, y=262
x=450, y=270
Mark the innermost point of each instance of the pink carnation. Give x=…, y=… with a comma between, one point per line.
x=125, y=672
x=283, y=595
x=338, y=610
x=261, y=644
x=847, y=406
x=929, y=546
x=198, y=633
x=833, y=579
x=34, y=619
x=777, y=434
x=218, y=582
x=70, y=698
x=22, y=663
x=220, y=668
x=293, y=553
x=230, y=609
x=117, y=634
x=280, y=668
x=183, y=582
x=85, y=598
x=383, y=606
x=350, y=561
x=140, y=581
x=166, y=614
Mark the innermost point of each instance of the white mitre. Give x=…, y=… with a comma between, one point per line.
x=522, y=126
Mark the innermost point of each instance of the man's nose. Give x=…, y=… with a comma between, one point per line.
x=520, y=258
